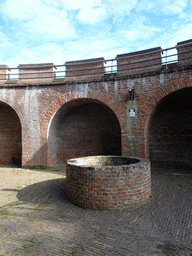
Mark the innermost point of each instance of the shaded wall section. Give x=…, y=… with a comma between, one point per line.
x=83, y=127
x=170, y=131
x=10, y=136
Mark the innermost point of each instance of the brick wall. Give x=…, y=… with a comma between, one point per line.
x=38, y=102
x=4, y=73
x=171, y=130
x=139, y=62
x=184, y=52
x=108, y=185
x=36, y=71
x=10, y=136
x=86, y=69
x=86, y=128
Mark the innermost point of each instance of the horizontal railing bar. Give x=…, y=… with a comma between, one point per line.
x=108, y=72
x=106, y=69
x=96, y=61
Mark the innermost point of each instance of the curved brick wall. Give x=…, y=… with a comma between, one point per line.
x=10, y=136
x=108, y=182
x=52, y=126
x=83, y=128
x=170, y=131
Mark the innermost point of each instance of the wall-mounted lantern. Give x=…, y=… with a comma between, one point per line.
x=131, y=94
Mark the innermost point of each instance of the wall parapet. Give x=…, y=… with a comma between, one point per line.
x=37, y=71
x=145, y=62
x=89, y=68
x=139, y=62
x=4, y=73
x=184, y=50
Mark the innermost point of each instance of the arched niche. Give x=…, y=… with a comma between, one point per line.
x=83, y=127
x=10, y=136
x=170, y=132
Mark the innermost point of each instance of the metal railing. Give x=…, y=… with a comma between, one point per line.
x=107, y=67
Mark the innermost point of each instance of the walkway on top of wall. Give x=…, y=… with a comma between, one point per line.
x=140, y=63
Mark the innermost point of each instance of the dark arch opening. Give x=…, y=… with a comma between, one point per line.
x=10, y=136
x=83, y=127
x=170, y=133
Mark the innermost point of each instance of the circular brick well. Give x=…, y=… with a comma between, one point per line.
x=108, y=182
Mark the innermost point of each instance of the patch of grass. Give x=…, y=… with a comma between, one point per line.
x=4, y=213
x=82, y=247
x=101, y=234
x=20, y=186
x=33, y=239
x=17, y=202
x=26, y=248
x=51, y=238
x=30, y=220
x=168, y=249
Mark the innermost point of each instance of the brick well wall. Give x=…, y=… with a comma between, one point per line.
x=109, y=186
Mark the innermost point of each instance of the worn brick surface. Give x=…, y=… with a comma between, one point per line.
x=38, y=102
x=108, y=182
x=36, y=218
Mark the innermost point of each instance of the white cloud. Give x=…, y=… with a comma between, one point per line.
x=51, y=52
x=52, y=26
x=140, y=33
x=139, y=30
x=41, y=54
x=117, y=26
x=76, y=4
x=4, y=43
x=40, y=18
x=173, y=6
x=165, y=6
x=103, y=45
x=182, y=34
x=85, y=49
x=22, y=9
x=93, y=11
x=111, y=54
x=92, y=15
x=120, y=5
x=145, y=5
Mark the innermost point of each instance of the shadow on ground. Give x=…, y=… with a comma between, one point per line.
x=50, y=192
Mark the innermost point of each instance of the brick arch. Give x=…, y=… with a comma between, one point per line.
x=151, y=104
x=16, y=108
x=11, y=139
x=117, y=107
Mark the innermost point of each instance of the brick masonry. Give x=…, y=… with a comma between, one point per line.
x=76, y=70
x=108, y=182
x=89, y=127
x=43, y=104
x=10, y=136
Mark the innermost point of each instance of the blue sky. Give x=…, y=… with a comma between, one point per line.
x=43, y=31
